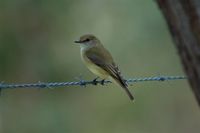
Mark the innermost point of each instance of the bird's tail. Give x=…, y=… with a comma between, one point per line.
x=128, y=93
x=124, y=85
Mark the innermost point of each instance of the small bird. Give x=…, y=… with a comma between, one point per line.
x=100, y=62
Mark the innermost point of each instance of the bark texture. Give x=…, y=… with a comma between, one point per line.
x=183, y=19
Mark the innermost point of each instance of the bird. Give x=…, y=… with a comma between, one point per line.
x=100, y=62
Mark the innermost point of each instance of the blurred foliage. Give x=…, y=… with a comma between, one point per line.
x=36, y=44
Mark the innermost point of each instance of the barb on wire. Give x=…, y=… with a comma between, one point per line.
x=85, y=82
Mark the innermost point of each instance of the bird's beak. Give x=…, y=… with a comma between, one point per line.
x=77, y=41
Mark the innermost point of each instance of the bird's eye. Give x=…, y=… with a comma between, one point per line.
x=87, y=40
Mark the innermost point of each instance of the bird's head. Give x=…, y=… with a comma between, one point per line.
x=88, y=40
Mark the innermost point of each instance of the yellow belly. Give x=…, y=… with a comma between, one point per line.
x=95, y=69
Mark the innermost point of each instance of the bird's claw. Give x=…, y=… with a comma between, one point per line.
x=94, y=81
x=103, y=82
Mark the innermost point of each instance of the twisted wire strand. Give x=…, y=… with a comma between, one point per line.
x=85, y=82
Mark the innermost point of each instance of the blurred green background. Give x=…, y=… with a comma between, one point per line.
x=36, y=44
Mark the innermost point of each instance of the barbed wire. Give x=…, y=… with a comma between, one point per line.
x=84, y=82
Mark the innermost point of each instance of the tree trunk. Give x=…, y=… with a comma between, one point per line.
x=183, y=19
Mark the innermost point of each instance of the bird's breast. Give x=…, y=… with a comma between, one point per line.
x=93, y=67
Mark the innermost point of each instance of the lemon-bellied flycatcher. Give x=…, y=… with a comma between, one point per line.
x=100, y=61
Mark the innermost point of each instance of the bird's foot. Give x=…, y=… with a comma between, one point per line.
x=94, y=81
x=103, y=82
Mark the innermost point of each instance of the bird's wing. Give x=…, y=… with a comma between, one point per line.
x=106, y=62
x=109, y=66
